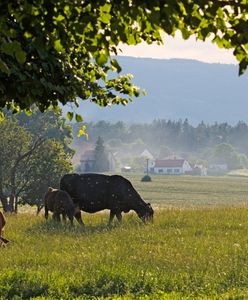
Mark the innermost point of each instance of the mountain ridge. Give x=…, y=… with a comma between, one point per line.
x=178, y=89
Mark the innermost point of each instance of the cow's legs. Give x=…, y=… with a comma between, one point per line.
x=119, y=217
x=78, y=217
x=71, y=220
x=70, y=217
x=64, y=217
x=56, y=217
x=46, y=212
x=111, y=217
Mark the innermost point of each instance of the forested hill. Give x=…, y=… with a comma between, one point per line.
x=177, y=89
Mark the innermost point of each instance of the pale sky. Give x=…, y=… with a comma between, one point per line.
x=179, y=48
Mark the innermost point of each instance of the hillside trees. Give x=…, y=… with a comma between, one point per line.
x=54, y=51
x=29, y=162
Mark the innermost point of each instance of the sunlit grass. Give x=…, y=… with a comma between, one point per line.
x=200, y=251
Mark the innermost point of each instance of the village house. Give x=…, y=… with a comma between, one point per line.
x=87, y=161
x=173, y=166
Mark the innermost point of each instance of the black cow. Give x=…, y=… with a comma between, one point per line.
x=59, y=202
x=95, y=192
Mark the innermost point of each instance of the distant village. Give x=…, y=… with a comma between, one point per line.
x=163, y=148
x=170, y=165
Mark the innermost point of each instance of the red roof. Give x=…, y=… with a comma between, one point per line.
x=169, y=163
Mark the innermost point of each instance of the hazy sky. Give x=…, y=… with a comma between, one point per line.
x=179, y=48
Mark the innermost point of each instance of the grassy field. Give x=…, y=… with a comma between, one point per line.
x=197, y=248
x=193, y=192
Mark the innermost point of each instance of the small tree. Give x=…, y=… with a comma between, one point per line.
x=101, y=163
x=45, y=169
x=26, y=149
x=17, y=146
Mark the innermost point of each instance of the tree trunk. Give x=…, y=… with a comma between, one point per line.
x=3, y=198
x=16, y=204
x=11, y=203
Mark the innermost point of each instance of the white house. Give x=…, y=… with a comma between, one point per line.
x=169, y=166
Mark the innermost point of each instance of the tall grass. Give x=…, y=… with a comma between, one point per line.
x=200, y=252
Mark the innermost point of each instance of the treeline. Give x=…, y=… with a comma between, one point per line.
x=178, y=135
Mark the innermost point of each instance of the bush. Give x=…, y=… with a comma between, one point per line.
x=146, y=178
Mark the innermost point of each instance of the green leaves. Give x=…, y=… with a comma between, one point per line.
x=78, y=117
x=2, y=116
x=20, y=56
x=14, y=49
x=102, y=57
x=243, y=65
x=60, y=51
x=58, y=46
x=115, y=65
x=185, y=33
x=4, y=68
x=105, y=15
x=70, y=115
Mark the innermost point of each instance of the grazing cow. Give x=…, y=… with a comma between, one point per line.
x=59, y=202
x=95, y=192
x=3, y=241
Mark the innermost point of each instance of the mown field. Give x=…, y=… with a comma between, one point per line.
x=193, y=192
x=197, y=248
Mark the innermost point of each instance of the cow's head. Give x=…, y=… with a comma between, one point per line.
x=146, y=215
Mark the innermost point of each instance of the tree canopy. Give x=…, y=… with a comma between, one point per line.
x=57, y=51
x=34, y=154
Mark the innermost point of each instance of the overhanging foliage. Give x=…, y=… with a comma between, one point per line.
x=54, y=51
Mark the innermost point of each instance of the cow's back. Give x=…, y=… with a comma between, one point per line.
x=63, y=201
x=127, y=195
x=92, y=192
x=79, y=184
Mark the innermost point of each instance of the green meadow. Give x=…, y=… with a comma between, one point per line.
x=197, y=247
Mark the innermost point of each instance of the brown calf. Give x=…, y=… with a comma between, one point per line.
x=2, y=224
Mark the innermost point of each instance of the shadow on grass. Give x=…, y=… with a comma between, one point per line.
x=52, y=227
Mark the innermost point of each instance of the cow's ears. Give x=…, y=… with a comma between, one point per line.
x=50, y=189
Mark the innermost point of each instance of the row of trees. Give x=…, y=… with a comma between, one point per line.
x=34, y=154
x=177, y=135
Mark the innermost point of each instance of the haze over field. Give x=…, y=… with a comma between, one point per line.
x=179, y=88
